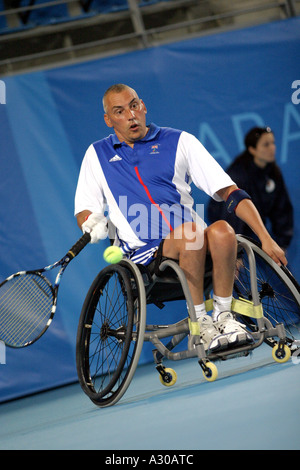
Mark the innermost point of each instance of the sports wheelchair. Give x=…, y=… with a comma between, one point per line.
x=113, y=324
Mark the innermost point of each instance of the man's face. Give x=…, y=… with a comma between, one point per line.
x=126, y=113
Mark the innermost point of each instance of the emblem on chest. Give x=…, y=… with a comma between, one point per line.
x=154, y=149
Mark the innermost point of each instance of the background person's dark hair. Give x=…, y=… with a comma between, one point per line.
x=251, y=139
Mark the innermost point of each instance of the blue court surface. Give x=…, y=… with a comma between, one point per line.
x=254, y=404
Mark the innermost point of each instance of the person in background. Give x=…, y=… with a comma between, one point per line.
x=256, y=171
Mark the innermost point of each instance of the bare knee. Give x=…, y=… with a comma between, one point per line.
x=192, y=236
x=184, y=241
x=220, y=234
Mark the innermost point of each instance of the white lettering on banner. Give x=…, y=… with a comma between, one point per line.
x=291, y=116
x=296, y=95
x=2, y=92
x=220, y=153
x=2, y=353
x=290, y=133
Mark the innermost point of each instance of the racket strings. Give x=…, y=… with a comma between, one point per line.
x=25, y=308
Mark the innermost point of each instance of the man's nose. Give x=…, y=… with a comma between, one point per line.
x=130, y=113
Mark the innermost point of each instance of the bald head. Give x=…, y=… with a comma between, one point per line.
x=117, y=88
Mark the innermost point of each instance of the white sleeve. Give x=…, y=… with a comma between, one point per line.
x=89, y=192
x=204, y=170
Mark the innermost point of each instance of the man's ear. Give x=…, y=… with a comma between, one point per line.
x=107, y=121
x=144, y=106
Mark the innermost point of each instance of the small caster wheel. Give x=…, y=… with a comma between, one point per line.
x=281, y=354
x=210, y=371
x=168, y=377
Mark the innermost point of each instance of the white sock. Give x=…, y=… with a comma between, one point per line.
x=221, y=304
x=200, y=310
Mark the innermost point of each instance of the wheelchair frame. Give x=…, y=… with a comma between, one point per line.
x=138, y=288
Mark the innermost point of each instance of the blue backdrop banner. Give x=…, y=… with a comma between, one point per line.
x=215, y=87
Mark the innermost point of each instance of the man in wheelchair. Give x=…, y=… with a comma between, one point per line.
x=146, y=170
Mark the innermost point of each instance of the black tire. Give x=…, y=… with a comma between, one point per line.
x=278, y=291
x=109, y=336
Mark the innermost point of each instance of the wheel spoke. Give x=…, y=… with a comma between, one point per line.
x=278, y=294
x=107, y=344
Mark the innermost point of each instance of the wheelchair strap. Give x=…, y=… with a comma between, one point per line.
x=241, y=306
x=194, y=327
x=245, y=307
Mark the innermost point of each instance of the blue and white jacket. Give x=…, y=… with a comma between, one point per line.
x=146, y=189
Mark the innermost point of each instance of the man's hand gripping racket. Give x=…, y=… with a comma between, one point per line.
x=28, y=300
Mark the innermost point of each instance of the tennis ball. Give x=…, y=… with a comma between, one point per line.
x=113, y=254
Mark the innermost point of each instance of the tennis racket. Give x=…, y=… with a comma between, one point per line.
x=28, y=301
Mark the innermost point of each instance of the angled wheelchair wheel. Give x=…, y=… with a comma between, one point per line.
x=278, y=291
x=110, y=334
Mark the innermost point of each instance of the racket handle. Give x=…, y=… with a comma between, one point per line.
x=79, y=245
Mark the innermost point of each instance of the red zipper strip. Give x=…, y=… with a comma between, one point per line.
x=151, y=199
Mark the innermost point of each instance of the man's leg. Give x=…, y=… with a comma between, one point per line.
x=222, y=245
x=188, y=244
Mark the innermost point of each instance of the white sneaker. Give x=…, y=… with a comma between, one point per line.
x=234, y=330
x=210, y=335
